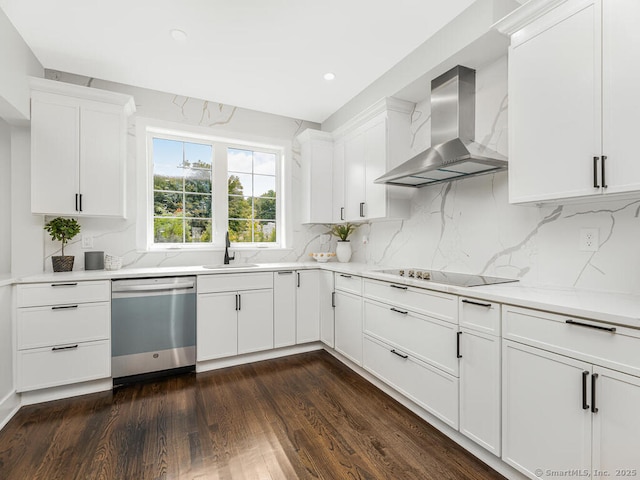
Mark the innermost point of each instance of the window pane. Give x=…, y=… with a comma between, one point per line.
x=167, y=204
x=240, y=207
x=263, y=185
x=198, y=178
x=239, y=160
x=264, y=163
x=264, y=208
x=198, y=155
x=167, y=161
x=240, y=231
x=240, y=184
x=198, y=206
x=167, y=230
x=264, y=232
x=198, y=231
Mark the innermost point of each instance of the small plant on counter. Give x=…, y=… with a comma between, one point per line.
x=63, y=230
x=343, y=230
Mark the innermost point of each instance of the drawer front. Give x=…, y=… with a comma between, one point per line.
x=63, y=293
x=432, y=389
x=433, y=341
x=225, y=282
x=45, y=367
x=348, y=283
x=434, y=304
x=617, y=350
x=49, y=326
x=480, y=315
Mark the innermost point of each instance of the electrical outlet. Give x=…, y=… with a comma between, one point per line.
x=87, y=241
x=589, y=240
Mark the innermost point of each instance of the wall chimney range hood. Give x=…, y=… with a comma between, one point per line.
x=454, y=154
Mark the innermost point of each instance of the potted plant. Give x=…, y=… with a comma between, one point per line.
x=343, y=248
x=62, y=229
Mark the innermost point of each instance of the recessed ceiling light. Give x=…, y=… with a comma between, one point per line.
x=178, y=35
x=329, y=76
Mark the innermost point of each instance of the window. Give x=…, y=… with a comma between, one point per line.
x=252, y=196
x=182, y=191
x=199, y=187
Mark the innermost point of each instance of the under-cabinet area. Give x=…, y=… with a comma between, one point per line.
x=519, y=387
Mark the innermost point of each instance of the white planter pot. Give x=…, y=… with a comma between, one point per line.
x=343, y=251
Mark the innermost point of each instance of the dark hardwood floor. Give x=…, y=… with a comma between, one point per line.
x=304, y=416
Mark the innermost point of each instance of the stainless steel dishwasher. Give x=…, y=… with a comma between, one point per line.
x=153, y=326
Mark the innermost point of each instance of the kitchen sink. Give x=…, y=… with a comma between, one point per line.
x=232, y=265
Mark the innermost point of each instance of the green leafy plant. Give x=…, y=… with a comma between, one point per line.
x=62, y=229
x=342, y=231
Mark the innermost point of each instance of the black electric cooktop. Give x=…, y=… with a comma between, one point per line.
x=447, y=278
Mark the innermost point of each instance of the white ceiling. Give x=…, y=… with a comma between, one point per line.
x=267, y=55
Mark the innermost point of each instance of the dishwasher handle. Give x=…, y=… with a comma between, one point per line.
x=155, y=288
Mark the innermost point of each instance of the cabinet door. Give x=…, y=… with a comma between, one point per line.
x=480, y=388
x=544, y=424
x=354, y=174
x=348, y=326
x=621, y=77
x=375, y=150
x=217, y=326
x=616, y=424
x=102, y=153
x=554, y=105
x=326, y=308
x=284, y=308
x=338, y=211
x=255, y=320
x=54, y=153
x=308, y=306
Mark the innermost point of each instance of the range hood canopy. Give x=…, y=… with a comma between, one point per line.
x=454, y=153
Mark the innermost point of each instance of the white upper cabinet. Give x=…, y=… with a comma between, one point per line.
x=339, y=168
x=571, y=99
x=316, y=154
x=376, y=141
x=78, y=149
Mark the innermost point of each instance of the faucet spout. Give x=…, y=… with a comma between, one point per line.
x=226, y=250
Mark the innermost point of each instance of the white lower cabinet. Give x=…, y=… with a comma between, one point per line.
x=480, y=388
x=237, y=321
x=545, y=425
x=479, y=355
x=348, y=325
x=63, y=334
x=326, y=295
x=296, y=308
x=561, y=411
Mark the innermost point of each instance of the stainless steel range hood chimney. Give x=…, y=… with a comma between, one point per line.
x=454, y=153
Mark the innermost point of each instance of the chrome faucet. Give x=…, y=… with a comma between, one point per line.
x=226, y=250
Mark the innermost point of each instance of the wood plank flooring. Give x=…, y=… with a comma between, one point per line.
x=304, y=416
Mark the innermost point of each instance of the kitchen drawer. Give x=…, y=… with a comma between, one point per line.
x=430, y=340
x=617, y=350
x=432, y=389
x=47, y=326
x=225, y=282
x=434, y=304
x=63, y=293
x=46, y=367
x=348, y=283
x=480, y=315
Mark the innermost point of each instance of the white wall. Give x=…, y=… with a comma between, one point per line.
x=5, y=197
x=118, y=237
x=468, y=226
x=17, y=62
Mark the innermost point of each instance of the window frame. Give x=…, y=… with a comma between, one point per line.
x=147, y=129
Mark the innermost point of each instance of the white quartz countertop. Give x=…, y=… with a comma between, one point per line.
x=621, y=309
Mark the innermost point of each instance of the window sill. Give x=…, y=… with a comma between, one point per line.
x=232, y=248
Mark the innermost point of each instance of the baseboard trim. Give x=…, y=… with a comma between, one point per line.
x=476, y=450
x=66, y=391
x=225, y=362
x=9, y=406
